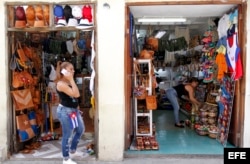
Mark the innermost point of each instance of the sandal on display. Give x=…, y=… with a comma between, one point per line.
x=179, y=125
x=26, y=151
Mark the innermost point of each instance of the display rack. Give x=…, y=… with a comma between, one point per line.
x=143, y=115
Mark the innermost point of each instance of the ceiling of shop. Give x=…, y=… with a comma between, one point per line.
x=196, y=15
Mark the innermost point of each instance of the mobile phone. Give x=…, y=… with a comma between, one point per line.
x=64, y=71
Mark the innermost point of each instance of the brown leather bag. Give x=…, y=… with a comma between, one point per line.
x=153, y=42
x=28, y=51
x=21, y=53
x=146, y=54
x=151, y=102
x=22, y=99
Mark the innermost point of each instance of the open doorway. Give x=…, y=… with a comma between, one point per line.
x=173, y=69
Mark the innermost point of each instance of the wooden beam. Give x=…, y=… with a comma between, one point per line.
x=185, y=2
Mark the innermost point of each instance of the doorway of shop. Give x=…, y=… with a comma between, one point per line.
x=174, y=140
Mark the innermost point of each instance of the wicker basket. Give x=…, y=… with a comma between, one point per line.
x=202, y=132
x=211, y=120
x=212, y=134
x=212, y=114
x=140, y=93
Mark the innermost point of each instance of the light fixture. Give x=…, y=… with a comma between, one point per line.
x=160, y=34
x=161, y=20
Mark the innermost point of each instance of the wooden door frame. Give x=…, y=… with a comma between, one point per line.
x=240, y=85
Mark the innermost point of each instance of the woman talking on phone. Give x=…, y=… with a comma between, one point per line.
x=68, y=112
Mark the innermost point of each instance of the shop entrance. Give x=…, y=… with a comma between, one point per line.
x=41, y=37
x=171, y=69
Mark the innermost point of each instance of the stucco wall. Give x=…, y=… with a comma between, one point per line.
x=4, y=85
x=110, y=63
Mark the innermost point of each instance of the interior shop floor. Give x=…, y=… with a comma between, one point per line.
x=176, y=141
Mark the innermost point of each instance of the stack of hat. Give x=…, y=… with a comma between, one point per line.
x=73, y=16
x=39, y=22
x=20, y=16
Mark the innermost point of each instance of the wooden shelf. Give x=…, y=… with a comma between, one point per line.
x=48, y=29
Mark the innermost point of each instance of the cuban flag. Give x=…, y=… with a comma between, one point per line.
x=73, y=120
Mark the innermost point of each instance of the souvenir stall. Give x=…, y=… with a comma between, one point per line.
x=39, y=43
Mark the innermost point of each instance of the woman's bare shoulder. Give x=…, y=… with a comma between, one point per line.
x=60, y=85
x=188, y=87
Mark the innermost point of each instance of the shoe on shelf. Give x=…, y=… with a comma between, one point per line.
x=69, y=161
x=179, y=125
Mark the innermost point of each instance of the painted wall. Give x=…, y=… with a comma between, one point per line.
x=4, y=85
x=110, y=89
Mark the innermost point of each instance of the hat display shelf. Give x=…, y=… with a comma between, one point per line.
x=47, y=17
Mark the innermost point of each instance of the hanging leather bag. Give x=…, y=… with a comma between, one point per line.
x=151, y=102
x=21, y=53
x=22, y=99
x=153, y=42
x=24, y=129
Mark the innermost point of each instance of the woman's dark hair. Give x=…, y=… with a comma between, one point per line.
x=193, y=79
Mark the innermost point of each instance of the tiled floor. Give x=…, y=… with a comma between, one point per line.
x=52, y=149
x=173, y=140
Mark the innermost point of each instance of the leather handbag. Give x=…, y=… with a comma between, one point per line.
x=153, y=42
x=21, y=53
x=151, y=102
x=20, y=79
x=22, y=99
x=146, y=54
x=24, y=129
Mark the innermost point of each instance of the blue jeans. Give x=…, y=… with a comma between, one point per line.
x=173, y=98
x=63, y=114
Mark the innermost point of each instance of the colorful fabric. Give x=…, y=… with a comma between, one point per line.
x=233, y=57
x=33, y=122
x=223, y=25
x=73, y=120
x=221, y=62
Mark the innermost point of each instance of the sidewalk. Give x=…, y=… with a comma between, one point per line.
x=132, y=160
